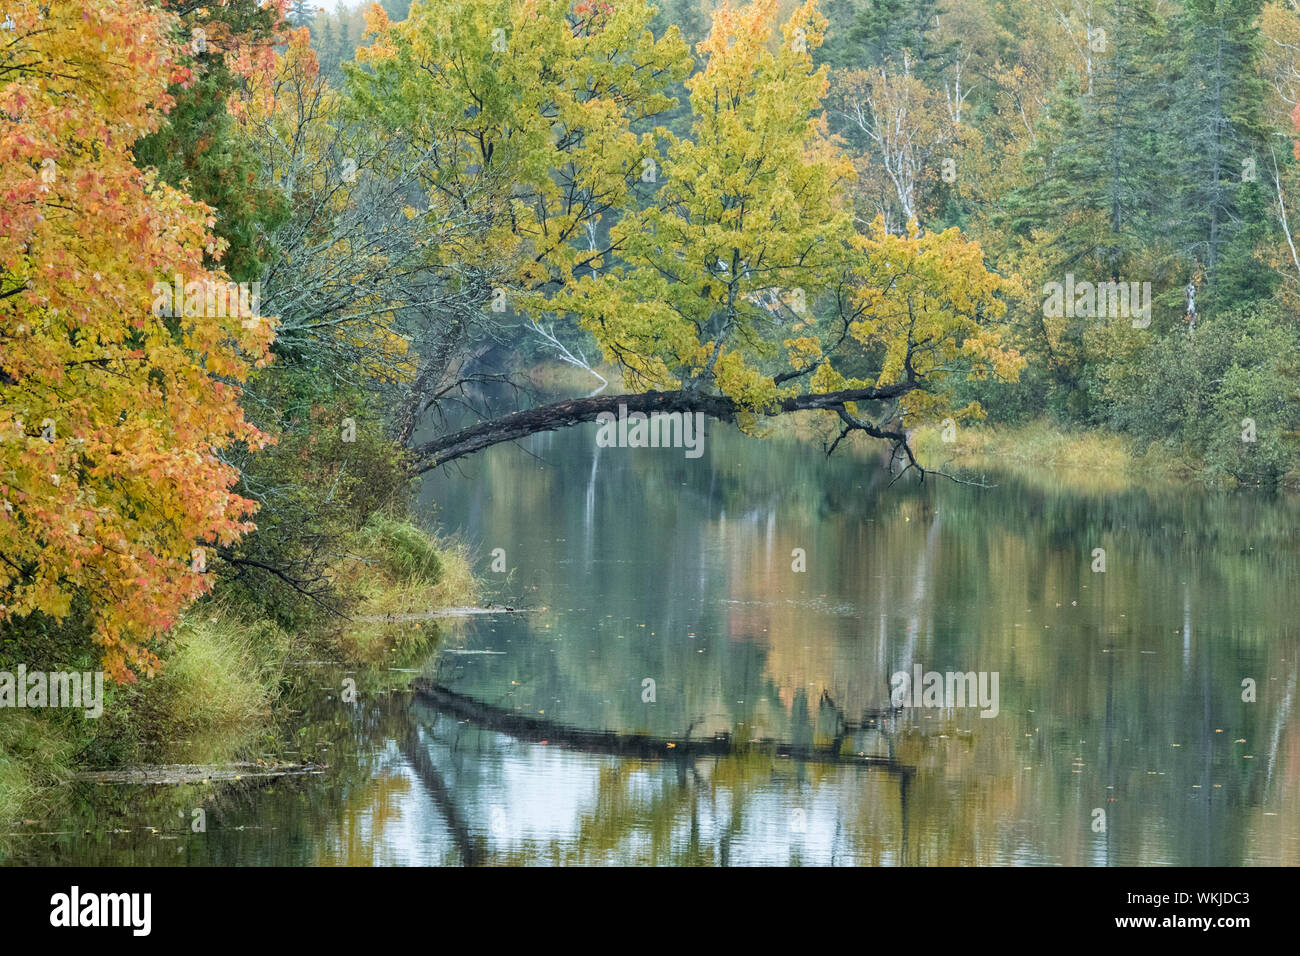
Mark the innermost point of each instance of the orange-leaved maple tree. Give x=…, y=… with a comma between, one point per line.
x=116, y=400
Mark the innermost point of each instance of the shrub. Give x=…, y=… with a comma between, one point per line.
x=1191, y=392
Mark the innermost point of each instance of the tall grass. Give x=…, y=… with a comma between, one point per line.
x=225, y=673
x=1094, y=455
x=212, y=696
x=401, y=550
x=34, y=753
x=399, y=572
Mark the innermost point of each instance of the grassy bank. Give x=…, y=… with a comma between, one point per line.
x=1039, y=447
x=227, y=682
x=1093, y=456
x=1033, y=449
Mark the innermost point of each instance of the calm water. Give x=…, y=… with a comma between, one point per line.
x=1118, y=690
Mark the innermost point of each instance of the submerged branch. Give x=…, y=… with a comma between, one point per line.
x=538, y=729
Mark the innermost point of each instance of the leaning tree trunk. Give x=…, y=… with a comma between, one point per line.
x=467, y=441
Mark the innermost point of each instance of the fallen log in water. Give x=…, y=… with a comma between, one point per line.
x=437, y=613
x=540, y=730
x=196, y=773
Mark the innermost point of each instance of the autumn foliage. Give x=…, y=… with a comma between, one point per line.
x=493, y=146
x=112, y=419
x=750, y=237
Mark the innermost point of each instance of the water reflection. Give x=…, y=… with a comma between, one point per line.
x=1120, y=690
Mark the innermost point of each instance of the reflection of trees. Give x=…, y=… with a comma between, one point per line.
x=677, y=808
x=417, y=756
x=706, y=812
x=1113, y=685
x=538, y=730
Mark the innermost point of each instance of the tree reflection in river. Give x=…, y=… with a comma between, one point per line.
x=1120, y=690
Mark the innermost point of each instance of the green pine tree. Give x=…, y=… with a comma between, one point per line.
x=1098, y=200
x=301, y=13
x=397, y=9
x=1099, y=185
x=199, y=144
x=1218, y=141
x=867, y=35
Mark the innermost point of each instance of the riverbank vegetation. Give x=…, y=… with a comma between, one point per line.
x=232, y=681
x=192, y=500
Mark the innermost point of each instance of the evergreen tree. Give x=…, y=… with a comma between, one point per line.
x=301, y=13
x=327, y=48
x=346, y=49
x=690, y=19
x=1099, y=185
x=397, y=9
x=867, y=35
x=693, y=24
x=1097, y=203
x=198, y=143
x=1218, y=142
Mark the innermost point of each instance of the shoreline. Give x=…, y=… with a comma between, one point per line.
x=1024, y=449
x=230, y=684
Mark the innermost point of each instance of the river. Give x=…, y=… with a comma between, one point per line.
x=1145, y=713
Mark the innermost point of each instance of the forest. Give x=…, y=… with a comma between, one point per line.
x=265, y=266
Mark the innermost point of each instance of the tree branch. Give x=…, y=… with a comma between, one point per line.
x=431, y=455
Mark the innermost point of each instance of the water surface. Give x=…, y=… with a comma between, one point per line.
x=1119, y=691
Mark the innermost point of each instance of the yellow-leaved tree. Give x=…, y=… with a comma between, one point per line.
x=742, y=287
x=720, y=269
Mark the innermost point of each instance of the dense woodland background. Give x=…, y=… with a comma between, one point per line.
x=1126, y=141
x=383, y=178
